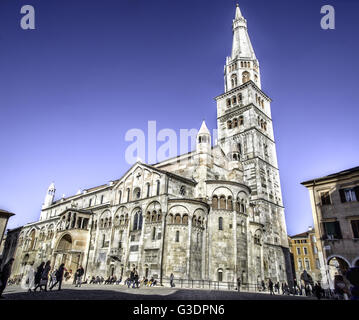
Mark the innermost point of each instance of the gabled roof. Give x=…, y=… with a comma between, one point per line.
x=302, y=235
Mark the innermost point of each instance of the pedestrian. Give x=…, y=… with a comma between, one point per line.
x=263, y=285
x=270, y=286
x=318, y=290
x=239, y=284
x=38, y=274
x=172, y=277
x=45, y=276
x=276, y=286
x=52, y=277
x=353, y=277
x=135, y=280
x=30, y=276
x=79, y=273
x=4, y=276
x=59, y=276
x=132, y=278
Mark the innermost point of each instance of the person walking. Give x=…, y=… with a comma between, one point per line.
x=172, y=277
x=59, y=276
x=263, y=285
x=270, y=286
x=79, y=273
x=318, y=290
x=30, y=277
x=38, y=274
x=132, y=278
x=276, y=286
x=353, y=277
x=4, y=276
x=135, y=280
x=45, y=276
x=238, y=284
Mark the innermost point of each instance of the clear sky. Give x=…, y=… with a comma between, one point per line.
x=92, y=70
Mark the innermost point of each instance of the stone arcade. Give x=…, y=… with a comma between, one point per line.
x=213, y=214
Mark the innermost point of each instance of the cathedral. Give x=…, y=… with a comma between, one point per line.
x=213, y=214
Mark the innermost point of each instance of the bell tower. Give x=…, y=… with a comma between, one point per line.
x=245, y=131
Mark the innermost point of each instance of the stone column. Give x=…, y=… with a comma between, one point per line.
x=189, y=239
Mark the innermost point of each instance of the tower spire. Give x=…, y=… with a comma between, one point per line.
x=238, y=12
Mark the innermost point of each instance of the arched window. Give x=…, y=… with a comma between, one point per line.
x=220, y=275
x=228, y=102
x=148, y=217
x=234, y=80
x=220, y=223
x=119, y=196
x=222, y=202
x=215, y=202
x=177, y=219
x=170, y=218
x=154, y=216
x=185, y=219
x=235, y=123
x=135, y=221
x=158, y=187
x=239, y=97
x=241, y=120
x=137, y=193
x=148, y=190
x=245, y=77
x=177, y=236
x=234, y=100
x=229, y=124
x=230, y=203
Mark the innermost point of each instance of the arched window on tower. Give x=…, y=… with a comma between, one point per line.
x=235, y=123
x=241, y=120
x=222, y=202
x=220, y=223
x=228, y=102
x=234, y=100
x=215, y=202
x=245, y=77
x=234, y=81
x=229, y=124
x=230, y=203
x=177, y=236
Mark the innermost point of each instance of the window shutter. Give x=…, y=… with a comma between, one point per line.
x=356, y=190
x=342, y=195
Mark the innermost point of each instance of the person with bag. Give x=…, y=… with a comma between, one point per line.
x=29, y=279
x=45, y=276
x=59, y=276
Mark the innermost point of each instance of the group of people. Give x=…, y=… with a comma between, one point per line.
x=44, y=277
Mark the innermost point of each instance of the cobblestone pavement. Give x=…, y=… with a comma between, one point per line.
x=121, y=292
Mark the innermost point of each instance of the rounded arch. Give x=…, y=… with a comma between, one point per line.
x=340, y=259
x=355, y=262
x=65, y=243
x=222, y=191
x=153, y=206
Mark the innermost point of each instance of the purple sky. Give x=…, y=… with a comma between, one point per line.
x=92, y=70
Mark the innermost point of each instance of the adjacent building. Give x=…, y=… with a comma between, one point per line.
x=215, y=213
x=335, y=207
x=303, y=247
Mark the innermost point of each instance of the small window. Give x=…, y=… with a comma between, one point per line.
x=90, y=202
x=355, y=228
x=325, y=198
x=298, y=250
x=349, y=194
x=177, y=236
x=220, y=275
x=158, y=187
x=220, y=223
x=332, y=230
x=183, y=190
x=101, y=199
x=305, y=250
